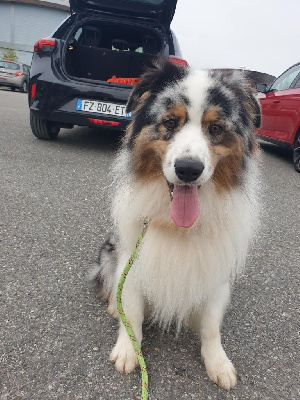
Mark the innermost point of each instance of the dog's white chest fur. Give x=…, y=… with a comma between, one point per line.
x=178, y=269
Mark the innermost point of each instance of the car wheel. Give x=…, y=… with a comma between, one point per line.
x=24, y=87
x=296, y=153
x=43, y=129
x=12, y=89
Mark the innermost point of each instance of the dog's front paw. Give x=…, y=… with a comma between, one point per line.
x=222, y=372
x=218, y=366
x=124, y=356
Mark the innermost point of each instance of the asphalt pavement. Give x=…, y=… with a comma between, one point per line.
x=55, y=336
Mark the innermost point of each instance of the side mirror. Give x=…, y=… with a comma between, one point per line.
x=261, y=87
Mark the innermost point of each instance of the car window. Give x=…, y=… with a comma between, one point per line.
x=176, y=47
x=26, y=68
x=78, y=34
x=297, y=84
x=286, y=79
x=9, y=65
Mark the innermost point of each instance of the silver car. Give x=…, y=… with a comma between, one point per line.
x=14, y=75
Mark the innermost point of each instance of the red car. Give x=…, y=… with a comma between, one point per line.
x=280, y=104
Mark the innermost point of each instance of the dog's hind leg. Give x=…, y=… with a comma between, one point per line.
x=219, y=368
x=102, y=276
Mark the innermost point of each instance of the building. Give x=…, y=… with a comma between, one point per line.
x=23, y=22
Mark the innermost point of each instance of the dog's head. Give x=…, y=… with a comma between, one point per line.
x=190, y=127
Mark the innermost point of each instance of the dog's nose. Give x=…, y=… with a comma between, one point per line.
x=188, y=170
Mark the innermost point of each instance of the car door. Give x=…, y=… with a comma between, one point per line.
x=277, y=106
x=269, y=111
x=288, y=114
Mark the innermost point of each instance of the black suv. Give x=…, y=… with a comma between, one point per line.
x=84, y=73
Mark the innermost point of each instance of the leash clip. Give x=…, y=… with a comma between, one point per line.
x=146, y=223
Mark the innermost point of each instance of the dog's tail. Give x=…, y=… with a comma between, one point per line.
x=102, y=274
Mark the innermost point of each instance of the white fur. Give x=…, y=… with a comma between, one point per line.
x=190, y=263
x=182, y=275
x=190, y=142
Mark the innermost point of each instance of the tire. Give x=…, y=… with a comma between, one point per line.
x=24, y=88
x=43, y=129
x=296, y=152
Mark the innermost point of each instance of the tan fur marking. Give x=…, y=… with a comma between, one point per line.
x=148, y=155
x=178, y=110
x=128, y=133
x=142, y=100
x=228, y=161
x=211, y=115
x=255, y=149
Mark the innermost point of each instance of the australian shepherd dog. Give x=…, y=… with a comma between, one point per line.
x=187, y=166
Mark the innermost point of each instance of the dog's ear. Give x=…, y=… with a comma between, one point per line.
x=140, y=90
x=256, y=109
x=252, y=106
x=251, y=101
x=241, y=84
x=153, y=80
x=143, y=88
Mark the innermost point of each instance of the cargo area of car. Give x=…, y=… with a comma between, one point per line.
x=105, y=51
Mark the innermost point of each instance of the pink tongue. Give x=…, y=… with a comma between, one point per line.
x=184, y=208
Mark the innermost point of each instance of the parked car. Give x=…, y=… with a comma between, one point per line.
x=84, y=73
x=14, y=75
x=280, y=104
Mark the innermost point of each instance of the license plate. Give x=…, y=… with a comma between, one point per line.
x=101, y=107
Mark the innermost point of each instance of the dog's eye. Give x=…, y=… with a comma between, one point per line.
x=171, y=124
x=215, y=129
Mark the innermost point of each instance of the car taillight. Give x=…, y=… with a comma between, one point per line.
x=177, y=60
x=104, y=122
x=19, y=73
x=33, y=89
x=46, y=45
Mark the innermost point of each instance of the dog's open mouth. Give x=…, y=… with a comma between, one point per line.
x=184, y=207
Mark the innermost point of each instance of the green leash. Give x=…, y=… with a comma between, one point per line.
x=126, y=324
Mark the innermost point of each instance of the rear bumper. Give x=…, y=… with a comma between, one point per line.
x=62, y=118
x=16, y=81
x=56, y=101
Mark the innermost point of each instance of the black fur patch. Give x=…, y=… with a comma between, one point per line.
x=237, y=96
x=154, y=81
x=141, y=119
x=104, y=267
x=257, y=113
x=217, y=98
x=108, y=246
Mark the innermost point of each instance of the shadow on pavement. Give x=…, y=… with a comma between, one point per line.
x=89, y=138
x=276, y=151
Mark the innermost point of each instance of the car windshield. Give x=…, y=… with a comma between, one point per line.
x=286, y=79
x=9, y=65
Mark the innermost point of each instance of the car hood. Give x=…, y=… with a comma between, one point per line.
x=160, y=10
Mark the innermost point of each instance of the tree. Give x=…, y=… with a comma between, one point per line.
x=10, y=55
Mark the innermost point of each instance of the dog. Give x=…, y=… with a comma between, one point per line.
x=188, y=165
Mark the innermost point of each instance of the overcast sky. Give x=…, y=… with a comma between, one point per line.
x=261, y=35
